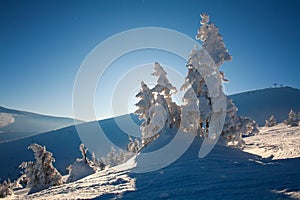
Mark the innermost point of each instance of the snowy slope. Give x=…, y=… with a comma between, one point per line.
x=17, y=124
x=261, y=104
x=226, y=173
x=279, y=142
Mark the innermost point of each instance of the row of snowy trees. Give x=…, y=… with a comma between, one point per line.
x=202, y=86
x=41, y=173
x=292, y=120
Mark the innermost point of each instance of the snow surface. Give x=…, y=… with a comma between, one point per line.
x=226, y=173
x=279, y=142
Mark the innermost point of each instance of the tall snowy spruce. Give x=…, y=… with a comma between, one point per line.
x=41, y=174
x=200, y=75
x=156, y=107
x=271, y=122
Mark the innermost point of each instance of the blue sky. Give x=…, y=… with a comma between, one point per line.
x=43, y=43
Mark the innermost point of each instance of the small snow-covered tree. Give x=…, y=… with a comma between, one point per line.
x=83, y=167
x=156, y=106
x=298, y=116
x=6, y=188
x=96, y=163
x=115, y=157
x=134, y=145
x=41, y=174
x=165, y=89
x=146, y=101
x=292, y=119
x=271, y=122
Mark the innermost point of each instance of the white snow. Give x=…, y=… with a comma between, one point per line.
x=113, y=181
x=280, y=141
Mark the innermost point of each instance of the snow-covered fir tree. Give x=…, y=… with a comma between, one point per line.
x=271, y=121
x=201, y=74
x=41, y=174
x=292, y=119
x=156, y=106
x=83, y=167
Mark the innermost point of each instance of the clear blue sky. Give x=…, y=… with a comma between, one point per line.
x=43, y=43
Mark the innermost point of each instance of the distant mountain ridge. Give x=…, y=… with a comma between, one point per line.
x=261, y=104
x=16, y=124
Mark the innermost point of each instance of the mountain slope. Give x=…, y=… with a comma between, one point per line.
x=63, y=143
x=17, y=124
x=261, y=104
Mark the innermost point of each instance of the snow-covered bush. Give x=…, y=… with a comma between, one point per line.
x=236, y=126
x=292, y=119
x=41, y=174
x=6, y=188
x=134, y=145
x=271, y=122
x=115, y=157
x=83, y=167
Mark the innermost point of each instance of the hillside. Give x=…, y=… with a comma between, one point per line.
x=16, y=124
x=261, y=104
